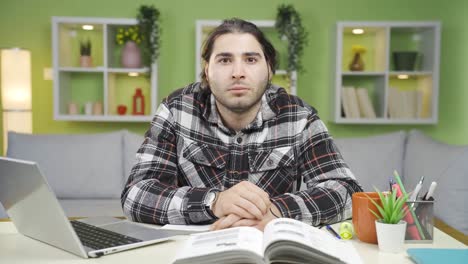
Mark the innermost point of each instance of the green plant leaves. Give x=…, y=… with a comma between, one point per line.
x=289, y=25
x=393, y=208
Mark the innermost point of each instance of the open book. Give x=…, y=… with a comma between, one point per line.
x=283, y=241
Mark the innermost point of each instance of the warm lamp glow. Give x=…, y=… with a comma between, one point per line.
x=87, y=27
x=403, y=76
x=358, y=31
x=15, y=65
x=16, y=79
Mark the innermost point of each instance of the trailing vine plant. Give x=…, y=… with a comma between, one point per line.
x=148, y=22
x=289, y=25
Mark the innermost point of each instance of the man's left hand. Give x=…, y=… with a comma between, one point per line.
x=234, y=220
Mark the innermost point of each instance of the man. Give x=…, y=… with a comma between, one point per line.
x=231, y=149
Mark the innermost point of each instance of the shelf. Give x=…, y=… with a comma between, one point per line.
x=397, y=91
x=106, y=84
x=105, y=118
x=363, y=73
x=81, y=69
x=128, y=70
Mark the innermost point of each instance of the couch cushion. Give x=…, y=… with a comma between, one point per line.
x=76, y=166
x=448, y=166
x=373, y=159
x=132, y=143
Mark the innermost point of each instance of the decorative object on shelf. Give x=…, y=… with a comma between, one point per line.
x=121, y=109
x=289, y=25
x=148, y=22
x=130, y=37
x=85, y=54
x=138, y=103
x=357, y=64
x=97, y=108
x=389, y=225
x=88, y=108
x=73, y=108
x=404, y=60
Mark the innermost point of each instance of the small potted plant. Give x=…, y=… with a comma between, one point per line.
x=85, y=54
x=389, y=225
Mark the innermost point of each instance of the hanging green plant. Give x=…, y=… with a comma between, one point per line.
x=148, y=22
x=289, y=25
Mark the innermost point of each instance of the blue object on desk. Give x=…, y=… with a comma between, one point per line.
x=438, y=255
x=333, y=232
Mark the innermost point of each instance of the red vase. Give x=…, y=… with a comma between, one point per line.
x=138, y=103
x=131, y=55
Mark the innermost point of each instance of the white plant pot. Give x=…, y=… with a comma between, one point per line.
x=391, y=237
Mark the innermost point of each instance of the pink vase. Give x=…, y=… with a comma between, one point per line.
x=131, y=55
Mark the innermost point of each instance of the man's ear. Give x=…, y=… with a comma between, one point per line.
x=205, y=68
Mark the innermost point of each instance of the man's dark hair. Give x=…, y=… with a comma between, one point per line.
x=236, y=25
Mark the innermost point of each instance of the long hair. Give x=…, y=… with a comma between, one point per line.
x=236, y=25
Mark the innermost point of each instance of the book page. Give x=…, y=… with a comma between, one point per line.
x=188, y=228
x=290, y=230
x=240, y=238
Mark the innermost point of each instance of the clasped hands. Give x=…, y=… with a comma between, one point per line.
x=244, y=204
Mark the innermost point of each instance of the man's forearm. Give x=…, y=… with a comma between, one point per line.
x=151, y=201
x=324, y=203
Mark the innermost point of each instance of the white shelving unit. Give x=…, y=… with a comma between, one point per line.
x=204, y=27
x=398, y=97
x=106, y=81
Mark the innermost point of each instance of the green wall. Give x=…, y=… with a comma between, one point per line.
x=27, y=24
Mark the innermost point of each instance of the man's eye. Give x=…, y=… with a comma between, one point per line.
x=251, y=59
x=224, y=60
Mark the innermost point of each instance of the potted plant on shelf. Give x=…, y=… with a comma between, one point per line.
x=357, y=64
x=130, y=38
x=85, y=54
x=389, y=225
x=148, y=23
x=289, y=25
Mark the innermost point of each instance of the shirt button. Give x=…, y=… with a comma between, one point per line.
x=270, y=163
x=239, y=140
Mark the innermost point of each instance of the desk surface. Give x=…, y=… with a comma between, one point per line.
x=16, y=248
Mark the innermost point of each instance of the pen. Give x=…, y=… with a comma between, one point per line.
x=415, y=193
x=333, y=232
x=413, y=215
x=431, y=190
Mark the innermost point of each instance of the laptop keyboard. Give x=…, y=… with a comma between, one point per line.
x=98, y=238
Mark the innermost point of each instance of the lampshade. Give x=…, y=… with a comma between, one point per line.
x=16, y=79
x=15, y=65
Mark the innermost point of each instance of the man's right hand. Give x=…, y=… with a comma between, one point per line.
x=244, y=199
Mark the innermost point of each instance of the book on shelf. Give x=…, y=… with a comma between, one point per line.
x=365, y=105
x=407, y=104
x=350, y=101
x=284, y=240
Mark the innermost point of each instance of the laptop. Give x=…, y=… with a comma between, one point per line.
x=36, y=213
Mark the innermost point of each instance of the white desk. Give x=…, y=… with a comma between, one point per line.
x=16, y=248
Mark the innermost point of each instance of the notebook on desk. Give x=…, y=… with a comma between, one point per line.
x=36, y=213
x=438, y=255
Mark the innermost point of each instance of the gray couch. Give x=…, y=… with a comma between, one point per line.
x=87, y=172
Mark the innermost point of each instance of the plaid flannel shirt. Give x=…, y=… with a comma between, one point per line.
x=188, y=151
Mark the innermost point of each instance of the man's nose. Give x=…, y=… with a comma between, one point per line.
x=238, y=71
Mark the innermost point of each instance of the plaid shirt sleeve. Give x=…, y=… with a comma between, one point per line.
x=151, y=194
x=330, y=183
